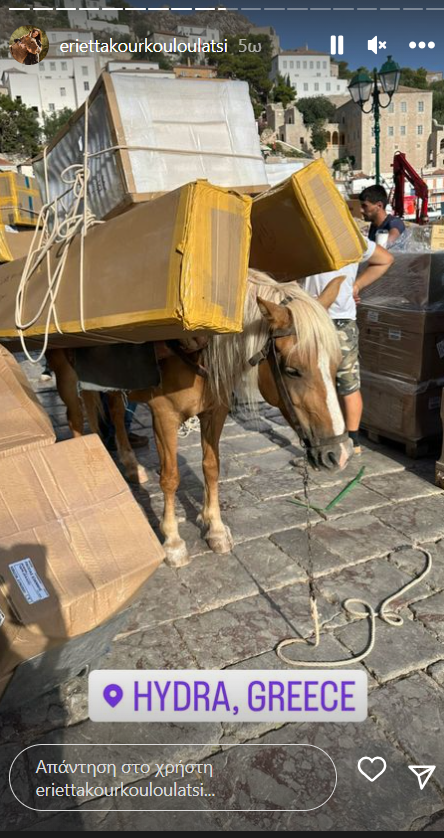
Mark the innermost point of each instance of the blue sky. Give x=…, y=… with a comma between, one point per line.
x=396, y=28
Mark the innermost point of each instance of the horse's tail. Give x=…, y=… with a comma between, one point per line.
x=94, y=409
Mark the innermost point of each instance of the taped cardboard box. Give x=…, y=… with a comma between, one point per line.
x=406, y=349
x=303, y=226
x=24, y=424
x=20, y=201
x=160, y=134
x=399, y=408
x=415, y=282
x=165, y=267
x=14, y=245
x=75, y=547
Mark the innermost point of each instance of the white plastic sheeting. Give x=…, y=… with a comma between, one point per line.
x=183, y=130
x=278, y=172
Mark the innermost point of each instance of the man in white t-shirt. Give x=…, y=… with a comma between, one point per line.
x=343, y=314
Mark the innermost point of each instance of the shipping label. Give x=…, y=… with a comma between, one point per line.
x=394, y=334
x=28, y=581
x=373, y=316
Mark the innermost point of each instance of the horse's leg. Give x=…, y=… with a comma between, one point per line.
x=166, y=425
x=133, y=471
x=217, y=535
x=66, y=381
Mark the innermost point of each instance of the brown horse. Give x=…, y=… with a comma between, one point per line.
x=283, y=327
x=27, y=49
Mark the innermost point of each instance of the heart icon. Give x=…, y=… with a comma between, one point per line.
x=372, y=759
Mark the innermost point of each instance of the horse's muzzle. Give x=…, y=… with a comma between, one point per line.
x=333, y=457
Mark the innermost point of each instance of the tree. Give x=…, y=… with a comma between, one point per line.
x=316, y=109
x=19, y=128
x=414, y=78
x=283, y=91
x=247, y=59
x=53, y=122
x=319, y=138
x=343, y=70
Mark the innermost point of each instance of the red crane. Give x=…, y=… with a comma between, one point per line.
x=402, y=171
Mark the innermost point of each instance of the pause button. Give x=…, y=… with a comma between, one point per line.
x=337, y=48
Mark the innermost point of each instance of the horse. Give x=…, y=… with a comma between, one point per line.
x=288, y=350
x=26, y=50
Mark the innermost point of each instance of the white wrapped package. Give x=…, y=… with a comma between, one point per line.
x=151, y=135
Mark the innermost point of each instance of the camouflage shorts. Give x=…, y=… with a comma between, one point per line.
x=348, y=378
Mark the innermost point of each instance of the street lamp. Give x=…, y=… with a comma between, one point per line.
x=362, y=87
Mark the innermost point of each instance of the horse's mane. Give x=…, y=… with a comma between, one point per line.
x=227, y=356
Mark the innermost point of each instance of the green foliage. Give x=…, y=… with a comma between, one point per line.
x=53, y=122
x=19, y=128
x=250, y=66
x=283, y=91
x=343, y=70
x=414, y=78
x=319, y=138
x=315, y=110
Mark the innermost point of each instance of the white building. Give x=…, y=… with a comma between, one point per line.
x=311, y=73
x=193, y=33
x=83, y=17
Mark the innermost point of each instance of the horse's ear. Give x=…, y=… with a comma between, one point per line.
x=331, y=291
x=278, y=316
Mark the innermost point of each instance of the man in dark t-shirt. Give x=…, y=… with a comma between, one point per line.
x=373, y=202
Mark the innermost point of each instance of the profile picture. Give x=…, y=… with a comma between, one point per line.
x=28, y=45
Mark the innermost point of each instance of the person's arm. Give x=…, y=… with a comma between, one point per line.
x=397, y=227
x=377, y=266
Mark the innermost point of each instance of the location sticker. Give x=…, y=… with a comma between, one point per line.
x=113, y=694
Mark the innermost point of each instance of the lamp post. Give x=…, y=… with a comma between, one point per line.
x=362, y=87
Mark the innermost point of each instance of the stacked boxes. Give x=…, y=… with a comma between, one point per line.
x=20, y=202
x=401, y=325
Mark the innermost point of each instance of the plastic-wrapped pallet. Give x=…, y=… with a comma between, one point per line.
x=404, y=410
x=149, y=136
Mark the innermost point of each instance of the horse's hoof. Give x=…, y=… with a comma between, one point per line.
x=221, y=542
x=177, y=554
x=142, y=474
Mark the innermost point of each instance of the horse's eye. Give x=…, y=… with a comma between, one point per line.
x=292, y=372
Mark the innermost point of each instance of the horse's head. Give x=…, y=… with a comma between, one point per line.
x=31, y=44
x=298, y=374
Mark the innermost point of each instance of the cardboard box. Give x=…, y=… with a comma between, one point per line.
x=403, y=346
x=401, y=409
x=415, y=282
x=24, y=424
x=355, y=208
x=165, y=267
x=75, y=547
x=14, y=245
x=164, y=133
x=20, y=201
x=303, y=226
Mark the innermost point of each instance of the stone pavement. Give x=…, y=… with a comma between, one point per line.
x=231, y=611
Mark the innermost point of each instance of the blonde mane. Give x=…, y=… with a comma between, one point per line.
x=227, y=356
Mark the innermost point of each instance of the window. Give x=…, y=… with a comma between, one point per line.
x=335, y=138
x=316, y=87
x=52, y=65
x=285, y=65
x=85, y=70
x=301, y=140
x=305, y=86
x=342, y=139
x=86, y=85
x=420, y=107
x=328, y=86
x=391, y=131
x=318, y=64
x=298, y=64
x=403, y=107
x=324, y=64
x=338, y=87
x=311, y=65
x=18, y=98
x=419, y=129
x=391, y=107
x=63, y=91
x=51, y=106
x=292, y=65
x=304, y=64
x=64, y=65
x=402, y=129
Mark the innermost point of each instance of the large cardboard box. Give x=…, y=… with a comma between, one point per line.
x=14, y=245
x=160, y=134
x=75, y=547
x=171, y=265
x=303, y=226
x=415, y=282
x=20, y=201
x=402, y=346
x=399, y=408
x=24, y=424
